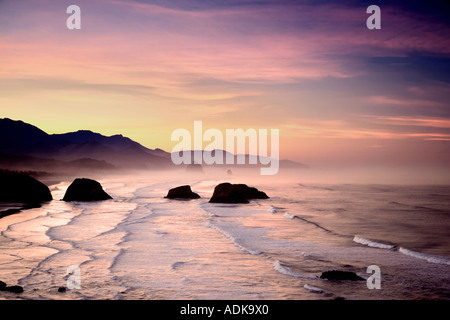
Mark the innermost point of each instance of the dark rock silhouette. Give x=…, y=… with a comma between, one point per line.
x=62, y=289
x=20, y=139
x=235, y=193
x=83, y=189
x=340, y=275
x=17, y=210
x=182, y=192
x=26, y=147
x=19, y=187
x=14, y=289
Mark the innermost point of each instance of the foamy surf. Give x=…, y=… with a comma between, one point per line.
x=374, y=244
x=234, y=240
x=287, y=215
x=278, y=266
x=313, y=288
x=424, y=256
x=272, y=209
x=415, y=254
x=141, y=246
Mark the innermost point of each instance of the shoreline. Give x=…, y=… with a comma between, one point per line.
x=148, y=218
x=50, y=179
x=8, y=212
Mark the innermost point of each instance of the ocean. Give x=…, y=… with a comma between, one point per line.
x=140, y=245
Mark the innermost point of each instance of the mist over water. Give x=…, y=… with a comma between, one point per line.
x=140, y=245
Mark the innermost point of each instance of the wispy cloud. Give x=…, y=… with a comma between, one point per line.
x=404, y=101
x=309, y=67
x=399, y=128
x=411, y=121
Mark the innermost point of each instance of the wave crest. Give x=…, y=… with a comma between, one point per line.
x=424, y=256
x=278, y=266
x=415, y=254
x=374, y=244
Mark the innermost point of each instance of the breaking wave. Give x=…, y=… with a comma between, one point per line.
x=419, y=255
x=278, y=266
x=374, y=244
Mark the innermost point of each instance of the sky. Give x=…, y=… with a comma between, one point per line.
x=340, y=94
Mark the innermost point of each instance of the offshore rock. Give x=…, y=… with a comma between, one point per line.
x=182, y=192
x=340, y=275
x=235, y=193
x=83, y=189
x=22, y=188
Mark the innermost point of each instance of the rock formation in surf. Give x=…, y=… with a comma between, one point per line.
x=83, y=189
x=235, y=193
x=14, y=289
x=22, y=188
x=182, y=192
x=340, y=275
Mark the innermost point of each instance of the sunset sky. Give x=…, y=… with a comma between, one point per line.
x=340, y=93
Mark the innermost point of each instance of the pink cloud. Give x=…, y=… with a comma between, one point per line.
x=347, y=130
x=385, y=100
x=411, y=121
x=234, y=44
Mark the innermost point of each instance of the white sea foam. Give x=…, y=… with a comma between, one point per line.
x=140, y=246
x=415, y=254
x=278, y=266
x=234, y=240
x=424, y=256
x=272, y=209
x=287, y=215
x=313, y=288
x=373, y=244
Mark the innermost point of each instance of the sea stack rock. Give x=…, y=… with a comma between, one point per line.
x=340, y=275
x=22, y=188
x=14, y=289
x=83, y=189
x=182, y=192
x=235, y=193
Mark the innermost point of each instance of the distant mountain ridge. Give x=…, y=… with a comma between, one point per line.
x=22, y=139
x=247, y=158
x=25, y=144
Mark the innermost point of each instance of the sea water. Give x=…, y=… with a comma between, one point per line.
x=140, y=245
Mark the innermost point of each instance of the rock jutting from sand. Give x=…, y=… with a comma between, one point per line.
x=340, y=275
x=182, y=192
x=19, y=187
x=83, y=189
x=235, y=193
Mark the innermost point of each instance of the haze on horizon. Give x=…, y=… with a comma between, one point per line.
x=341, y=95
